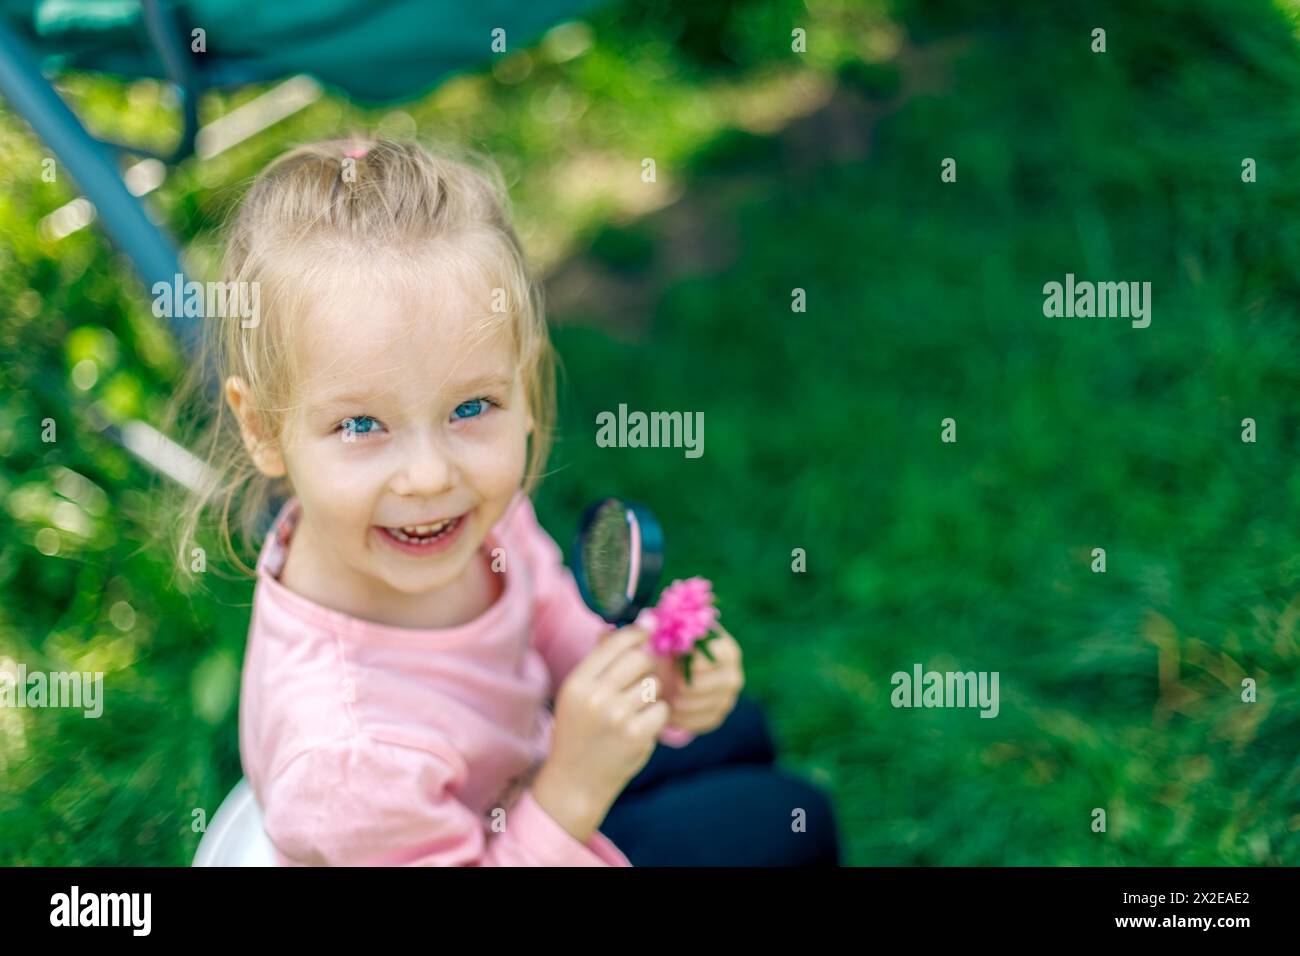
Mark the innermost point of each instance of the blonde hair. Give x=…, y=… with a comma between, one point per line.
x=389, y=200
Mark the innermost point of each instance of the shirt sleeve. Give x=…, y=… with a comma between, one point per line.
x=363, y=802
x=564, y=629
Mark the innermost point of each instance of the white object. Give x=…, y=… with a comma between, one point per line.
x=235, y=836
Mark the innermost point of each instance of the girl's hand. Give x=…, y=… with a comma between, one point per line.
x=608, y=715
x=704, y=703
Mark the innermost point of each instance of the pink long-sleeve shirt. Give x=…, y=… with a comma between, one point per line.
x=368, y=744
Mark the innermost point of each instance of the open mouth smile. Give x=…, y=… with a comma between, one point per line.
x=424, y=538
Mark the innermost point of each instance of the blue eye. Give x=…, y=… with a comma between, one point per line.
x=360, y=425
x=473, y=408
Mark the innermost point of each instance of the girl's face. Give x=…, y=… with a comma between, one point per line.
x=411, y=436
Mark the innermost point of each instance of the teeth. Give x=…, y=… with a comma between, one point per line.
x=421, y=532
x=423, y=529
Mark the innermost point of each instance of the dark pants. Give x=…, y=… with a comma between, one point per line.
x=722, y=801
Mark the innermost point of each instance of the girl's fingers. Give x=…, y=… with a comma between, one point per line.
x=630, y=669
x=669, y=676
x=613, y=647
x=723, y=647
x=691, y=719
x=707, y=679
x=639, y=696
x=701, y=663
x=701, y=704
x=726, y=647
x=695, y=722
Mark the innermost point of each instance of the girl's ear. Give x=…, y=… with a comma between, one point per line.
x=265, y=453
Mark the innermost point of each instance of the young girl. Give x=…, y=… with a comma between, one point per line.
x=412, y=622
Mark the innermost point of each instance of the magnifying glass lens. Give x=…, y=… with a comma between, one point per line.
x=618, y=554
x=607, y=558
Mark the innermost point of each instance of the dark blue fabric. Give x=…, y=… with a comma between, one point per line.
x=722, y=801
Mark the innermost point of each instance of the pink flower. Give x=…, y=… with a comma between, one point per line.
x=684, y=614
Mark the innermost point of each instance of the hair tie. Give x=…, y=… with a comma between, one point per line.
x=357, y=153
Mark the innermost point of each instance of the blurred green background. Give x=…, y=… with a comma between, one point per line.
x=779, y=170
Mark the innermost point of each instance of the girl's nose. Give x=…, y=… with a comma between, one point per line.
x=426, y=470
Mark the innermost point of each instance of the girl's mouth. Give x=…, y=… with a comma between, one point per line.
x=425, y=538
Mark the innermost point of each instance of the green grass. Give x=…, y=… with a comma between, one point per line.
x=822, y=431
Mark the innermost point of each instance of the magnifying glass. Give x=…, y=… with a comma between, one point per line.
x=617, y=557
